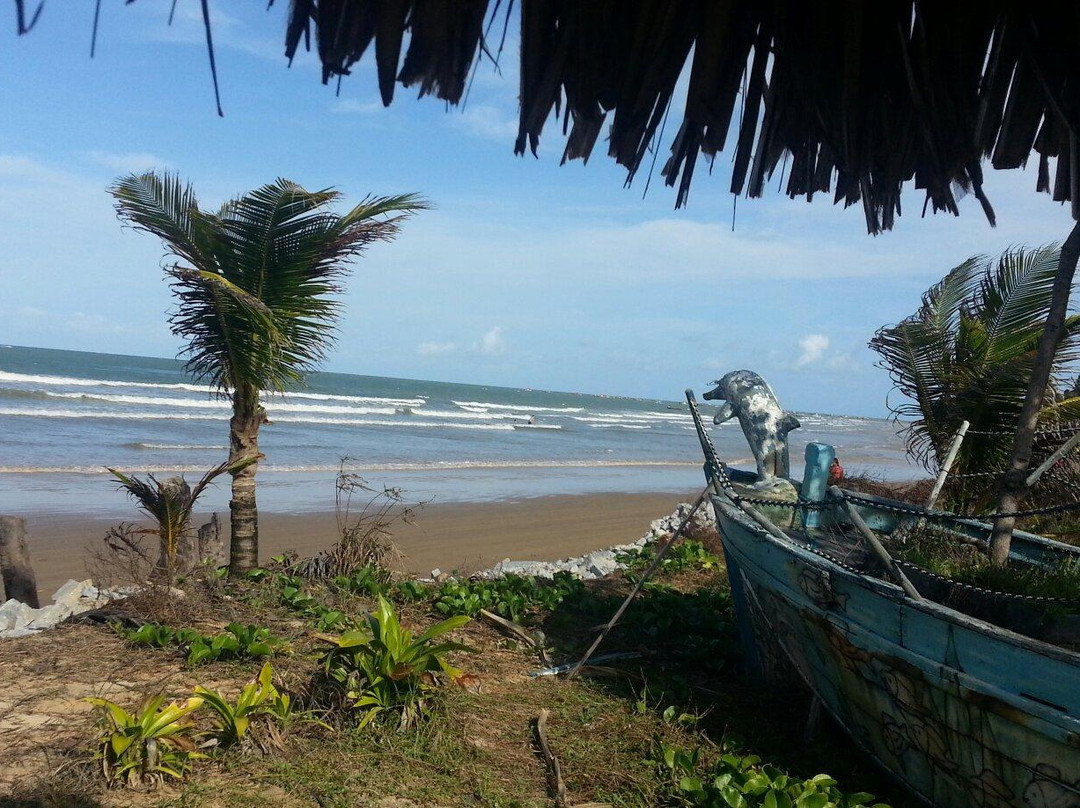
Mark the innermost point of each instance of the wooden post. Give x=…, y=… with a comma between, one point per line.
x=876, y=546
x=15, y=567
x=1062, y=450
x=210, y=544
x=943, y=473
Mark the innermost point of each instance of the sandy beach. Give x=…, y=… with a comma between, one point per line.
x=464, y=536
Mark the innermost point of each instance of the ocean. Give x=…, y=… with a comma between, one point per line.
x=66, y=415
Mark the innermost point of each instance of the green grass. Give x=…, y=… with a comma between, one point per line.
x=940, y=554
x=476, y=746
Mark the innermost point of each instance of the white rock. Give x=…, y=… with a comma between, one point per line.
x=71, y=591
x=435, y=573
x=15, y=615
x=601, y=564
x=49, y=616
x=17, y=632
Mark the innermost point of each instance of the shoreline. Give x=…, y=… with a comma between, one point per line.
x=465, y=536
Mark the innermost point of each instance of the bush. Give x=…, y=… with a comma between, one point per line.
x=237, y=641
x=386, y=669
x=744, y=782
x=155, y=635
x=689, y=553
x=366, y=580
x=512, y=596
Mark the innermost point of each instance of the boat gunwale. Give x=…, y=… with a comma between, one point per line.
x=985, y=527
x=895, y=593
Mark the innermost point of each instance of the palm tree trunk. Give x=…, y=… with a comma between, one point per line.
x=1013, y=483
x=247, y=417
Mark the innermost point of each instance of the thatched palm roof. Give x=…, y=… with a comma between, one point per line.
x=846, y=97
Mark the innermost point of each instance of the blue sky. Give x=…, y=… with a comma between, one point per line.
x=526, y=274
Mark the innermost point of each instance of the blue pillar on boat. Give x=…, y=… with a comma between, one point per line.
x=819, y=458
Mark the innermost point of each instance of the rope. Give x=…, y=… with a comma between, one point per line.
x=809, y=504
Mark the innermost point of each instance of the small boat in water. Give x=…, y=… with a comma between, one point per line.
x=967, y=697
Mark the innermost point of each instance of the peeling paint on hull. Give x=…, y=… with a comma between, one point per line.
x=960, y=711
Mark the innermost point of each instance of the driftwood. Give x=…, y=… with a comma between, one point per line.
x=509, y=627
x=16, y=570
x=558, y=787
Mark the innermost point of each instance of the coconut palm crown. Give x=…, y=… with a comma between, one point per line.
x=967, y=355
x=255, y=285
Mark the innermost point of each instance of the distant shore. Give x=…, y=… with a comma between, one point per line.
x=465, y=536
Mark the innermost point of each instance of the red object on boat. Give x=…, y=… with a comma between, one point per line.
x=836, y=472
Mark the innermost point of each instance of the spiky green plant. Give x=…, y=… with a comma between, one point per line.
x=967, y=354
x=386, y=668
x=257, y=699
x=147, y=745
x=256, y=284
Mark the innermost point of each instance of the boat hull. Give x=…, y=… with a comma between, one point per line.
x=960, y=711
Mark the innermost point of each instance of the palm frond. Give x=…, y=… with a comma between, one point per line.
x=256, y=300
x=967, y=355
x=167, y=208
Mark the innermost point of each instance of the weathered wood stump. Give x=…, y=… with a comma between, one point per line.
x=210, y=545
x=16, y=569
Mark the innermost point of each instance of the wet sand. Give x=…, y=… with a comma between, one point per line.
x=461, y=536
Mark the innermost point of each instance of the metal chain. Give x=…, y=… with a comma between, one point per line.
x=957, y=476
x=712, y=460
x=1071, y=429
x=948, y=516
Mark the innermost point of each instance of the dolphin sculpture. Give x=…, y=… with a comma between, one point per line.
x=749, y=398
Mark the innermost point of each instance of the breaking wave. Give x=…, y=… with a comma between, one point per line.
x=450, y=465
x=67, y=381
x=484, y=405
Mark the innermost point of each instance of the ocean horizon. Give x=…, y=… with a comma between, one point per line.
x=66, y=415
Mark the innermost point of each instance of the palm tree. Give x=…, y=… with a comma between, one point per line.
x=255, y=285
x=967, y=355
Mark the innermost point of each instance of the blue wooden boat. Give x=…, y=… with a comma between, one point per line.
x=961, y=710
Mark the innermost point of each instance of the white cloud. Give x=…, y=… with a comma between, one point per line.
x=812, y=349
x=16, y=167
x=487, y=122
x=435, y=348
x=128, y=162
x=492, y=343
x=93, y=324
x=230, y=32
x=844, y=362
x=350, y=106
